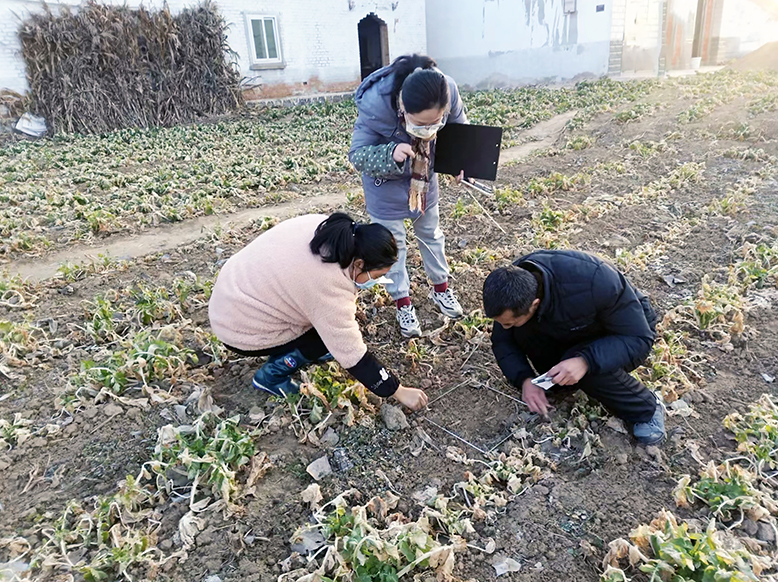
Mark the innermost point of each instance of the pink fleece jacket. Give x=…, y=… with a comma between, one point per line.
x=276, y=289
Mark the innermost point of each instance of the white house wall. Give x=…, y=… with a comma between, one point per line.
x=487, y=43
x=745, y=25
x=319, y=39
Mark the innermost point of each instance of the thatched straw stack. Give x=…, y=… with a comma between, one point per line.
x=108, y=67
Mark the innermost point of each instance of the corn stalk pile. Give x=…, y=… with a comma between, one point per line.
x=108, y=67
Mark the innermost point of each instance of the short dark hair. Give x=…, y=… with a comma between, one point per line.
x=340, y=239
x=511, y=288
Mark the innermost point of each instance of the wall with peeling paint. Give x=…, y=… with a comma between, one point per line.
x=495, y=43
x=319, y=40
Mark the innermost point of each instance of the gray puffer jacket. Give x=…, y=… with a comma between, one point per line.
x=376, y=133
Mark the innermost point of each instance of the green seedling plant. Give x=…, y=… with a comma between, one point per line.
x=717, y=311
x=666, y=550
x=103, y=538
x=758, y=266
x=472, y=324
x=508, y=196
x=144, y=358
x=15, y=432
x=648, y=149
x=461, y=209
x=639, y=258
x=329, y=391
x=71, y=272
x=736, y=201
x=671, y=369
x=212, y=451
x=728, y=490
x=756, y=432
x=480, y=255
x=21, y=342
x=580, y=142
x=363, y=543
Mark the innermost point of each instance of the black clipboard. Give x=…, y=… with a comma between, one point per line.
x=472, y=148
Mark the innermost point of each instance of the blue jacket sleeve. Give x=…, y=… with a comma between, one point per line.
x=512, y=361
x=457, y=113
x=629, y=337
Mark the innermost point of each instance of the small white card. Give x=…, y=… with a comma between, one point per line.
x=543, y=381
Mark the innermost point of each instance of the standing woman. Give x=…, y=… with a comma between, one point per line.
x=290, y=295
x=401, y=108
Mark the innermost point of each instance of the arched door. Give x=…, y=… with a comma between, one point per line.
x=373, y=44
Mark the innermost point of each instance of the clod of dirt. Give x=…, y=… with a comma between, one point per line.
x=112, y=409
x=622, y=458
x=394, y=417
x=320, y=468
x=505, y=565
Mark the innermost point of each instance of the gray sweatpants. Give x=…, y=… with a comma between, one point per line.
x=431, y=244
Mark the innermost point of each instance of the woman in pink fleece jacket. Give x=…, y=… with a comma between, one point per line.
x=291, y=295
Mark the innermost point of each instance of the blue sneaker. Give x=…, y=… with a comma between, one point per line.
x=275, y=376
x=653, y=431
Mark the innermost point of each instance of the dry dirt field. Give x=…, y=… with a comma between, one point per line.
x=134, y=448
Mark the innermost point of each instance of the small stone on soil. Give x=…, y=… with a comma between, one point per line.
x=751, y=527
x=320, y=468
x=765, y=533
x=393, y=417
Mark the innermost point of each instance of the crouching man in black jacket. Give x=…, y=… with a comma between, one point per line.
x=578, y=319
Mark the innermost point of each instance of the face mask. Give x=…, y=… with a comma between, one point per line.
x=425, y=132
x=372, y=282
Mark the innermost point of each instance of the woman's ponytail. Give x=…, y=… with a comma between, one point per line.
x=341, y=240
x=405, y=65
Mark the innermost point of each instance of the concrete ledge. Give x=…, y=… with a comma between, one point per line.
x=301, y=100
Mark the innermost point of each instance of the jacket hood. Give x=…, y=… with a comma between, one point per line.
x=374, y=97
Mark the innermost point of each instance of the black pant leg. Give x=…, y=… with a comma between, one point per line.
x=310, y=345
x=621, y=394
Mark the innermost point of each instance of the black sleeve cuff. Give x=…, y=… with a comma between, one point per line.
x=374, y=375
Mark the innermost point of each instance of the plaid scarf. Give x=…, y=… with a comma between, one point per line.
x=420, y=175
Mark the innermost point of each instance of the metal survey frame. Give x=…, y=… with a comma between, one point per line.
x=459, y=437
x=479, y=186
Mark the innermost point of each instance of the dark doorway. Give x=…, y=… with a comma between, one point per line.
x=373, y=44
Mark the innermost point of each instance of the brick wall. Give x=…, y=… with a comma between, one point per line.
x=319, y=40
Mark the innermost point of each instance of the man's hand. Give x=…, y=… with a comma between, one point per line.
x=534, y=397
x=402, y=151
x=569, y=372
x=413, y=398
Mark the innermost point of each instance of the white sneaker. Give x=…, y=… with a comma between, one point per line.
x=447, y=303
x=409, y=323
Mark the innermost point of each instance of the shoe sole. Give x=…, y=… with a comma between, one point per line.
x=280, y=393
x=653, y=442
x=410, y=335
x=444, y=310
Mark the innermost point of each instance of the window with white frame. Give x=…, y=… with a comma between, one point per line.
x=264, y=41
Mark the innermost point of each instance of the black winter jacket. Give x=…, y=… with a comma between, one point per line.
x=589, y=307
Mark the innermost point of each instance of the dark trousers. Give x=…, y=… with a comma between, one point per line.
x=310, y=345
x=617, y=391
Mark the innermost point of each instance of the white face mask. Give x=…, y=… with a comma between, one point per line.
x=372, y=282
x=425, y=132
